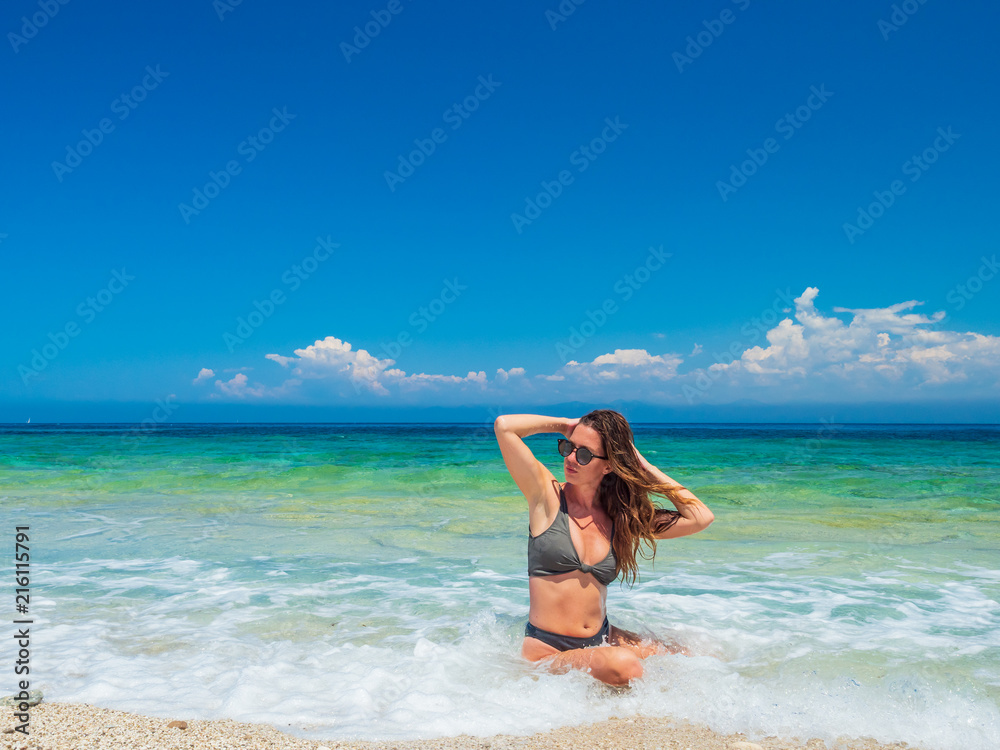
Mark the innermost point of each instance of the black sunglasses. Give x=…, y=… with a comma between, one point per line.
x=583, y=455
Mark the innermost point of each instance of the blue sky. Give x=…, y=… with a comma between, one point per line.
x=508, y=204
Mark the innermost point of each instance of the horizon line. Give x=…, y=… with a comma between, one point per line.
x=364, y=422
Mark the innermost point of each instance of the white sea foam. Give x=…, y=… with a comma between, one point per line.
x=416, y=651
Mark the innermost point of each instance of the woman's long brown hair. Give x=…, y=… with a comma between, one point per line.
x=624, y=494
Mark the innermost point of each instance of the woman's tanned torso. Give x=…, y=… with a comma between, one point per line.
x=572, y=603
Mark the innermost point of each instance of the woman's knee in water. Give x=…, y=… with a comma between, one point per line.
x=615, y=665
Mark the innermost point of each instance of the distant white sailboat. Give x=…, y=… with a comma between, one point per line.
x=29, y=421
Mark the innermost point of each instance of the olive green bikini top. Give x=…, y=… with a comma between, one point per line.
x=552, y=552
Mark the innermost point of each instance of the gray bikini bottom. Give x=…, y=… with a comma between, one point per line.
x=567, y=642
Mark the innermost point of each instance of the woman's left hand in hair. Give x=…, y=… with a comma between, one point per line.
x=642, y=459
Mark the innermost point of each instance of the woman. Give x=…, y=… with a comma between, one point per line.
x=584, y=534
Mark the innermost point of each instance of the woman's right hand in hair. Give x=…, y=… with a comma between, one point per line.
x=570, y=424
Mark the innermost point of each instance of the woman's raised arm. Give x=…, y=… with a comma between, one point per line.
x=529, y=473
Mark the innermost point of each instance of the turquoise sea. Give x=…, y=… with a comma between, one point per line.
x=369, y=581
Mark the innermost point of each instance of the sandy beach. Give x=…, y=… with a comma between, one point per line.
x=71, y=726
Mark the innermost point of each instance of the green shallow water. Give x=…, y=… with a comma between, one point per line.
x=440, y=489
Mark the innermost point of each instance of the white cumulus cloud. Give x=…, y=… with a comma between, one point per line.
x=879, y=352
x=890, y=351
x=239, y=387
